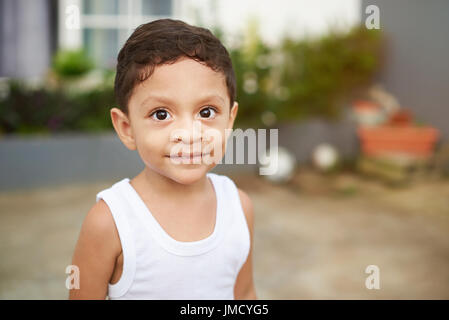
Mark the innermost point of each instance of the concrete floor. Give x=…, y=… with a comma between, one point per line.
x=313, y=238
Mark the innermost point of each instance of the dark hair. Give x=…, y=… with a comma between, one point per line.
x=164, y=41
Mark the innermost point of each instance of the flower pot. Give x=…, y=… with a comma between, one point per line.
x=414, y=140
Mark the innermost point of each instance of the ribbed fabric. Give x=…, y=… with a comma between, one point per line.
x=156, y=266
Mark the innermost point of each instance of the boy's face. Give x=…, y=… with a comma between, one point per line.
x=182, y=108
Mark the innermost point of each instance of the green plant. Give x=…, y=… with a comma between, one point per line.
x=71, y=63
x=304, y=78
x=319, y=74
x=46, y=111
x=253, y=65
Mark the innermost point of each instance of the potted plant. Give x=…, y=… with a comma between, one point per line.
x=411, y=139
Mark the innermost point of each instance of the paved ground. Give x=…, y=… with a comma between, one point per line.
x=313, y=240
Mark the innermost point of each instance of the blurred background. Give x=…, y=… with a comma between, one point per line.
x=358, y=90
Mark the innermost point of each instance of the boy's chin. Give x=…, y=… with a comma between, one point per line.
x=188, y=174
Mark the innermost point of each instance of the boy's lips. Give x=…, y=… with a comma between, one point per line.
x=187, y=156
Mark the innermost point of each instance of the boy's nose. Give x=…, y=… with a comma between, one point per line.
x=189, y=132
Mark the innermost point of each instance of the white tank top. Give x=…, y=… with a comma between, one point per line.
x=156, y=266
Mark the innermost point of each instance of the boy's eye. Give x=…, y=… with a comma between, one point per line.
x=207, y=113
x=160, y=115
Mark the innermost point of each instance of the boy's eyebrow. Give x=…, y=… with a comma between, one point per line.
x=165, y=99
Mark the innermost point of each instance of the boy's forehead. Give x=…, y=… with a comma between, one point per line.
x=185, y=69
x=184, y=79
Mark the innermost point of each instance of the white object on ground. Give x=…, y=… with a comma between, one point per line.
x=284, y=168
x=325, y=156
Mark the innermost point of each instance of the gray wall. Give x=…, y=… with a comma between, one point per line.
x=302, y=138
x=28, y=162
x=35, y=161
x=417, y=59
x=25, y=38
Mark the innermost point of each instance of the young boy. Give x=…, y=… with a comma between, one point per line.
x=175, y=231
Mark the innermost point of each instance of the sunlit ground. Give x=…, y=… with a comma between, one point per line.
x=313, y=239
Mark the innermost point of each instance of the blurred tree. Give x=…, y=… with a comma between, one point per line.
x=253, y=62
x=320, y=74
x=71, y=63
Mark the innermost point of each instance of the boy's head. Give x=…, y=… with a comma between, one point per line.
x=172, y=80
x=162, y=42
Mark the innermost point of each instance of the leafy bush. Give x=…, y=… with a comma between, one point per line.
x=320, y=74
x=303, y=78
x=253, y=65
x=46, y=111
x=72, y=63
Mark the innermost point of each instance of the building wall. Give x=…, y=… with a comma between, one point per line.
x=25, y=38
x=297, y=18
x=40, y=161
x=417, y=59
x=27, y=56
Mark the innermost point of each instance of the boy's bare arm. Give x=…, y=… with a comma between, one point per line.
x=95, y=253
x=244, y=286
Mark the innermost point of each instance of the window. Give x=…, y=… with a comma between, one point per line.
x=156, y=7
x=106, y=24
x=101, y=45
x=101, y=7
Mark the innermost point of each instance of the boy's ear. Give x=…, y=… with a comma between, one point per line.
x=122, y=126
x=233, y=115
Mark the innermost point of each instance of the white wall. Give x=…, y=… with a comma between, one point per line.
x=297, y=18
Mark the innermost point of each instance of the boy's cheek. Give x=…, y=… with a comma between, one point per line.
x=150, y=149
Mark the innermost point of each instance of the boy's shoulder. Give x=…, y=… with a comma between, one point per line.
x=99, y=227
x=100, y=215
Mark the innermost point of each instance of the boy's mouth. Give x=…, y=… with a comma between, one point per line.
x=188, y=156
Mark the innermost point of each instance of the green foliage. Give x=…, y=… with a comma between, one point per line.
x=302, y=78
x=252, y=64
x=320, y=74
x=46, y=111
x=71, y=63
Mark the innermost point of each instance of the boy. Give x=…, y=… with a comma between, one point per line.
x=174, y=231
